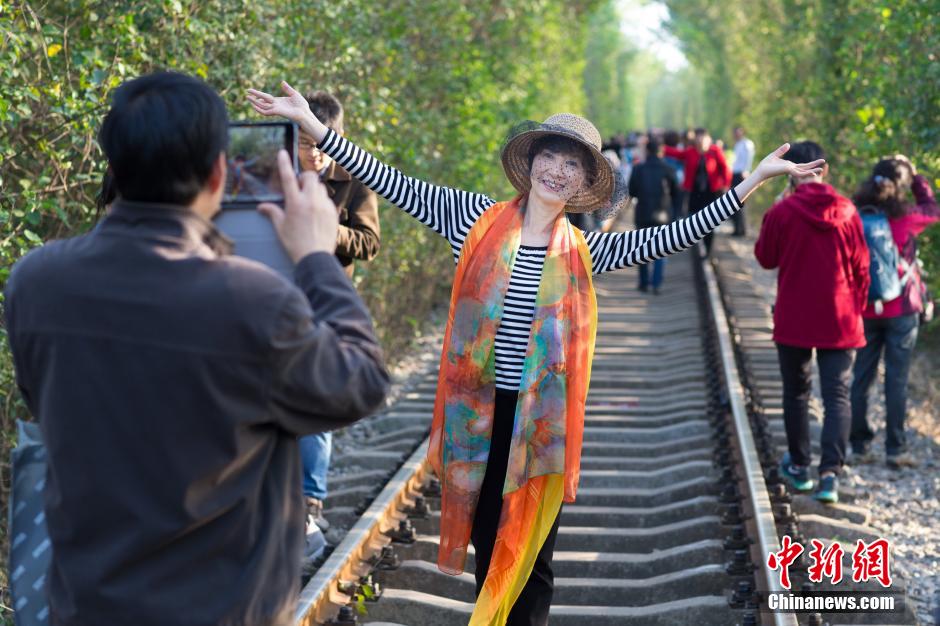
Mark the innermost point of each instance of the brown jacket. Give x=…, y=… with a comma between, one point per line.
x=358, y=218
x=171, y=382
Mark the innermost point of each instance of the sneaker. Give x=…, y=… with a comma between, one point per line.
x=315, y=513
x=828, y=491
x=797, y=476
x=900, y=460
x=314, y=544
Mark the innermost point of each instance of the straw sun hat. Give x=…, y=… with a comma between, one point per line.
x=607, y=190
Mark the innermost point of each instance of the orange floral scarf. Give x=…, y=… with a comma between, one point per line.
x=545, y=452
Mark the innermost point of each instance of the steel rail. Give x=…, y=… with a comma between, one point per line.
x=762, y=516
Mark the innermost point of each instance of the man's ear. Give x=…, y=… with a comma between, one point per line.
x=217, y=175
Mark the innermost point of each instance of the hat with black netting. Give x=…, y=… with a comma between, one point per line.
x=605, y=187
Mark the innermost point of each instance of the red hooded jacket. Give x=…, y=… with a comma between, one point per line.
x=719, y=174
x=815, y=238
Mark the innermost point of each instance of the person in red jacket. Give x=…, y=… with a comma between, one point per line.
x=707, y=175
x=894, y=330
x=816, y=239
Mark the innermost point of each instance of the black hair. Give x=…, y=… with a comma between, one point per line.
x=107, y=193
x=886, y=188
x=162, y=136
x=671, y=138
x=652, y=144
x=701, y=131
x=804, y=152
x=327, y=109
x=565, y=145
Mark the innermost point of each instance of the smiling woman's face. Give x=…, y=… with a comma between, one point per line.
x=556, y=176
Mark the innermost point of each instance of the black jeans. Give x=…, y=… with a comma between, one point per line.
x=835, y=368
x=739, y=219
x=896, y=336
x=698, y=200
x=531, y=608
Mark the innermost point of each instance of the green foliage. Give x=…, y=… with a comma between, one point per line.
x=676, y=100
x=606, y=81
x=619, y=77
x=430, y=86
x=437, y=100
x=860, y=78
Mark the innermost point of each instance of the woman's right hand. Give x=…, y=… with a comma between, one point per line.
x=293, y=106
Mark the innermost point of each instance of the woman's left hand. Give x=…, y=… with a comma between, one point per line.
x=293, y=106
x=775, y=165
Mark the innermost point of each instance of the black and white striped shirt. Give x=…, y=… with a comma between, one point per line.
x=452, y=213
x=512, y=336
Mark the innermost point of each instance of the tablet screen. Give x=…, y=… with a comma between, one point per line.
x=252, y=174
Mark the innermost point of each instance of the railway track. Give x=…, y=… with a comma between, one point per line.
x=673, y=509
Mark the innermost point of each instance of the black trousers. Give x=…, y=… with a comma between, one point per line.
x=739, y=219
x=698, y=200
x=835, y=372
x=531, y=608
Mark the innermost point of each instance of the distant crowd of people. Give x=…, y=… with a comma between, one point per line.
x=672, y=174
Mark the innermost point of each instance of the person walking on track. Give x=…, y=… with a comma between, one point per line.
x=707, y=176
x=509, y=414
x=740, y=168
x=897, y=302
x=653, y=183
x=814, y=239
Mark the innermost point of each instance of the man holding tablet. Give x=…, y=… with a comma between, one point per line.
x=171, y=380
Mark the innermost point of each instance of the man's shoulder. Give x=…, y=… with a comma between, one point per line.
x=49, y=258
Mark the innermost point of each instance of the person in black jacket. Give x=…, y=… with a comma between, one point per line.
x=171, y=381
x=653, y=183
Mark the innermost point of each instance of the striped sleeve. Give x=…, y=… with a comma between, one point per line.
x=614, y=251
x=448, y=212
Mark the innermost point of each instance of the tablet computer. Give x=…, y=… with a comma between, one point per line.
x=251, y=178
